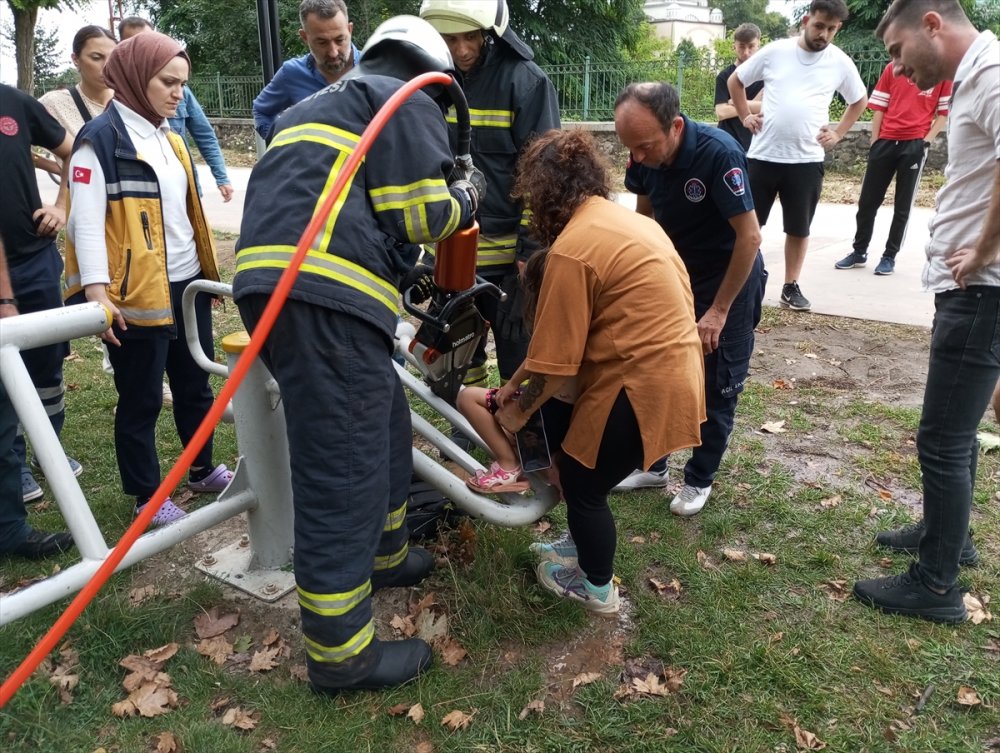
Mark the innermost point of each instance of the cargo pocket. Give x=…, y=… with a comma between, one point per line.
x=733, y=365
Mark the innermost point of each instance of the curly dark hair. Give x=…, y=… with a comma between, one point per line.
x=556, y=173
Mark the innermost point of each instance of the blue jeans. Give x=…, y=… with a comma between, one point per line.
x=963, y=371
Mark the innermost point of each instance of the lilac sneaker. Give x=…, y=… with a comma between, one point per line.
x=216, y=481
x=168, y=513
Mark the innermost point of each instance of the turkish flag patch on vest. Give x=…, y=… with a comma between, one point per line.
x=81, y=175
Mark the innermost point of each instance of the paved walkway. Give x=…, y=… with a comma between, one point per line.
x=855, y=293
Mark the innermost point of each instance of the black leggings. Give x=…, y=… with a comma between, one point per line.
x=586, y=489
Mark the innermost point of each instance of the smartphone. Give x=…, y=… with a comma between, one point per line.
x=532, y=445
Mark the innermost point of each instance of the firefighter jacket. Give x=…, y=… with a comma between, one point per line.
x=398, y=197
x=510, y=101
x=134, y=233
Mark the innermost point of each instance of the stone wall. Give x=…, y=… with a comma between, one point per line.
x=849, y=154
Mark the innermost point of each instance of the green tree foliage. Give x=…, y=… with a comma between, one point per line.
x=865, y=15
x=25, y=14
x=735, y=12
x=565, y=32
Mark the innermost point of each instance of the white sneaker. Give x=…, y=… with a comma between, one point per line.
x=639, y=479
x=690, y=500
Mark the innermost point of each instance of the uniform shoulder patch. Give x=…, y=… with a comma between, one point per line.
x=735, y=181
x=81, y=175
x=694, y=190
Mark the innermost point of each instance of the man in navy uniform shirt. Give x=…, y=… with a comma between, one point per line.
x=692, y=179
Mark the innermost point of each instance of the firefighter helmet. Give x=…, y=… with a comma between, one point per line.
x=460, y=16
x=405, y=47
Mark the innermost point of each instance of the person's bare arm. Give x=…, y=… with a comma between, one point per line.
x=936, y=127
x=46, y=164
x=753, y=122
x=966, y=261
x=877, y=117
x=829, y=137
x=51, y=218
x=744, y=253
x=728, y=110
x=515, y=414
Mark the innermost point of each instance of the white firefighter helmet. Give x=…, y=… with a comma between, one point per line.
x=460, y=16
x=405, y=47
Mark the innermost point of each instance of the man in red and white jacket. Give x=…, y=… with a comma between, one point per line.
x=905, y=121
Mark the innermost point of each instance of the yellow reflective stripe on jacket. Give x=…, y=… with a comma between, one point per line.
x=357, y=643
x=142, y=315
x=326, y=265
x=412, y=199
x=389, y=561
x=476, y=375
x=318, y=133
x=322, y=241
x=485, y=118
x=395, y=519
x=331, y=605
x=496, y=250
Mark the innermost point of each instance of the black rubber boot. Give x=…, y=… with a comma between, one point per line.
x=398, y=663
x=418, y=565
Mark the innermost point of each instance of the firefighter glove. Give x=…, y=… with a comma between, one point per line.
x=465, y=170
x=469, y=190
x=420, y=282
x=510, y=324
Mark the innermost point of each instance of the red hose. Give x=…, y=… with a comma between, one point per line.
x=207, y=426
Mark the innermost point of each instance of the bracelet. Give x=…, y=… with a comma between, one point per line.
x=8, y=301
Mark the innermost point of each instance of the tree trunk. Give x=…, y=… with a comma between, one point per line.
x=24, y=46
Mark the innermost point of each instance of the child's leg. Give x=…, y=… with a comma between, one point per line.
x=472, y=404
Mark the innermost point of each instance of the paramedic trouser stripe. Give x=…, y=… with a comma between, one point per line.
x=348, y=424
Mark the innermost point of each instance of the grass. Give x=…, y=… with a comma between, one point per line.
x=764, y=647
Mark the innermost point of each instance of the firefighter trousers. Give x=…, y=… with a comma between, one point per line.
x=350, y=444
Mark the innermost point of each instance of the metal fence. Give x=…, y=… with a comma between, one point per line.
x=586, y=90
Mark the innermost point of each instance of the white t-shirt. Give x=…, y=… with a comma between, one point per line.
x=973, y=152
x=62, y=107
x=90, y=200
x=798, y=88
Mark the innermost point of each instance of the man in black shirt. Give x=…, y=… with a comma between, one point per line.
x=746, y=41
x=28, y=229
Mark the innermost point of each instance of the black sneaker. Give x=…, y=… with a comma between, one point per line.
x=40, y=545
x=792, y=298
x=906, y=594
x=852, y=260
x=907, y=539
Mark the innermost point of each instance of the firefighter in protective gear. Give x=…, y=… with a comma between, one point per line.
x=510, y=100
x=347, y=418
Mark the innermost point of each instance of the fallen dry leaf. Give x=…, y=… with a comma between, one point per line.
x=885, y=562
x=272, y=637
x=218, y=649
x=705, y=561
x=773, y=427
x=640, y=681
x=265, y=660
x=968, y=696
x=781, y=384
x=637, y=540
x=806, y=740
x=775, y=638
x=585, y=678
x=976, y=607
x=734, y=555
x=220, y=704
x=143, y=593
x=299, y=672
x=399, y=709
x=913, y=643
x=836, y=590
x=151, y=699
x=457, y=720
x=424, y=747
x=215, y=622
x=452, y=653
x=542, y=526
x=416, y=713
x=403, y=625
x=425, y=603
x=241, y=719
x=65, y=679
x=830, y=501
x=885, y=494
x=655, y=536
x=766, y=558
x=431, y=627
x=536, y=706
x=167, y=743
x=670, y=591
x=163, y=653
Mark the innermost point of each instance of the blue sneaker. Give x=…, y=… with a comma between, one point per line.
x=562, y=551
x=852, y=260
x=73, y=465
x=569, y=582
x=886, y=266
x=30, y=489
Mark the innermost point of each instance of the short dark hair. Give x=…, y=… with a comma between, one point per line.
x=746, y=33
x=836, y=8
x=87, y=33
x=659, y=97
x=909, y=12
x=557, y=172
x=132, y=22
x=322, y=8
